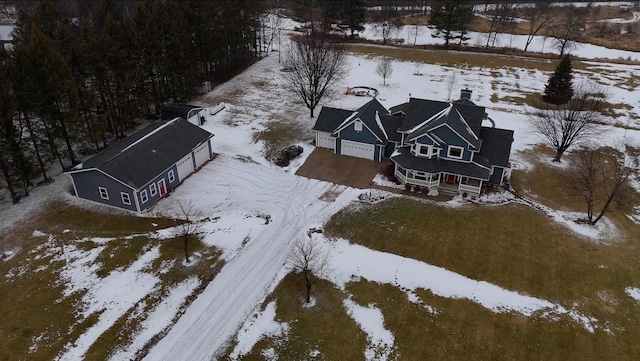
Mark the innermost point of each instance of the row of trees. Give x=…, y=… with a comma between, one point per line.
x=80, y=72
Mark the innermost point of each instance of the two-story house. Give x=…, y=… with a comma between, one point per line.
x=436, y=145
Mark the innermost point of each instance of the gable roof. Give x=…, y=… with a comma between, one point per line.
x=369, y=114
x=330, y=118
x=496, y=145
x=423, y=116
x=143, y=155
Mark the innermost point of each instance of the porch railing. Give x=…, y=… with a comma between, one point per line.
x=420, y=182
x=468, y=188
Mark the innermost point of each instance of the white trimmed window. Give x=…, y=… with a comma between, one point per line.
x=455, y=152
x=357, y=126
x=126, y=199
x=152, y=189
x=172, y=176
x=143, y=196
x=104, y=193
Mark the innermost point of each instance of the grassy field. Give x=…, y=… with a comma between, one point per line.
x=513, y=246
x=38, y=320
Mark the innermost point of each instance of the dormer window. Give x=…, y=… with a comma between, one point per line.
x=455, y=152
x=424, y=151
x=357, y=126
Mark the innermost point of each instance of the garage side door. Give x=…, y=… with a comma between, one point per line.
x=325, y=140
x=202, y=154
x=355, y=149
x=185, y=167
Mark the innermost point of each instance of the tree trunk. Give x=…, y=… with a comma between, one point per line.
x=186, y=248
x=7, y=178
x=35, y=147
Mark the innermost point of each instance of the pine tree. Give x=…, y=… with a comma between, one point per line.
x=559, y=89
x=451, y=19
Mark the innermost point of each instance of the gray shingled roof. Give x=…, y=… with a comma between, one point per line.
x=496, y=145
x=367, y=114
x=391, y=123
x=330, y=118
x=405, y=159
x=140, y=157
x=465, y=120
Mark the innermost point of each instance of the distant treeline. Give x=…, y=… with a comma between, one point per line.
x=79, y=72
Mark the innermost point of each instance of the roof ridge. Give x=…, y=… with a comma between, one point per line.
x=443, y=112
x=467, y=126
x=379, y=122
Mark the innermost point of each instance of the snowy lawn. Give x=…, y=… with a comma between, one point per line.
x=511, y=247
x=86, y=284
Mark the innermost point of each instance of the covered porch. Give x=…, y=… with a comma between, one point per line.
x=442, y=181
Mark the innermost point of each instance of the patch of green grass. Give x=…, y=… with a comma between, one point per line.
x=512, y=246
x=461, y=328
x=279, y=134
x=37, y=313
x=325, y=327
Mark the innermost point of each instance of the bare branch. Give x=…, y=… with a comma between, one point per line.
x=313, y=67
x=190, y=225
x=571, y=124
x=384, y=69
x=310, y=261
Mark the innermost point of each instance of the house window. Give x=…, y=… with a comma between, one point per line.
x=172, y=176
x=455, y=152
x=152, y=189
x=357, y=126
x=104, y=193
x=143, y=196
x=125, y=198
x=424, y=150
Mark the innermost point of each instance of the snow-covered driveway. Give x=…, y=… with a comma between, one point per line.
x=243, y=283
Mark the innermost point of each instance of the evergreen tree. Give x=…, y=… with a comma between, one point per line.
x=451, y=19
x=559, y=89
x=353, y=14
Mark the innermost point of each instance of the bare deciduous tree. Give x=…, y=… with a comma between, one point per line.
x=601, y=178
x=568, y=31
x=190, y=225
x=538, y=17
x=567, y=125
x=313, y=68
x=384, y=69
x=310, y=261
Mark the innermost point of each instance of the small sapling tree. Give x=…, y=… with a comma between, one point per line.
x=384, y=69
x=190, y=225
x=310, y=262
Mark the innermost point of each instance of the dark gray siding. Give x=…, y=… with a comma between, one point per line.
x=424, y=140
x=87, y=184
x=450, y=138
x=365, y=136
x=389, y=148
x=170, y=185
x=496, y=176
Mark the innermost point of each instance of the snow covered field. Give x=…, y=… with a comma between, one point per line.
x=240, y=188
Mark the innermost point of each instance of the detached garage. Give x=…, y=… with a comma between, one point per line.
x=139, y=170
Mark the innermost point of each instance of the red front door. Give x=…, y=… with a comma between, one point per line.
x=162, y=188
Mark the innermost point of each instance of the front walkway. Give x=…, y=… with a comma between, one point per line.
x=324, y=165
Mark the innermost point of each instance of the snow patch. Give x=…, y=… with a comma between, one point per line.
x=371, y=321
x=633, y=292
x=256, y=328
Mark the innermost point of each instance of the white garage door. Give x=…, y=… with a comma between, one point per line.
x=325, y=140
x=202, y=154
x=185, y=167
x=355, y=149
